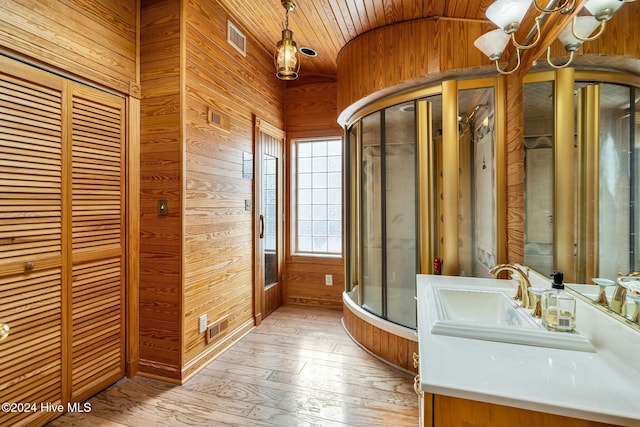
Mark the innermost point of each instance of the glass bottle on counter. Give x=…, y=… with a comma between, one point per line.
x=558, y=307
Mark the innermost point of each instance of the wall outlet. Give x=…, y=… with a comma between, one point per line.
x=202, y=324
x=328, y=279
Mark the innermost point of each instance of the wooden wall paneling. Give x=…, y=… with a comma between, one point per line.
x=133, y=237
x=55, y=33
x=98, y=123
x=514, y=149
x=31, y=233
x=439, y=52
x=305, y=276
x=160, y=292
x=218, y=230
x=306, y=281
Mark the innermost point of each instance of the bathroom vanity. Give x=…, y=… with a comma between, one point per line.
x=485, y=374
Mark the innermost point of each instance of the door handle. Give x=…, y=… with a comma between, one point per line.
x=262, y=226
x=4, y=331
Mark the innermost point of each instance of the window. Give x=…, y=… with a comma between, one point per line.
x=318, y=196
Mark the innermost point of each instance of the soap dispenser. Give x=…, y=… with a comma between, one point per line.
x=558, y=307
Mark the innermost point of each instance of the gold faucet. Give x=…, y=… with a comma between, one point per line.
x=523, y=281
x=619, y=299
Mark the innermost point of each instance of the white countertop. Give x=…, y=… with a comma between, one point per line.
x=598, y=386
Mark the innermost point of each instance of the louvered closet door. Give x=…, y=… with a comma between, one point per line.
x=97, y=182
x=31, y=242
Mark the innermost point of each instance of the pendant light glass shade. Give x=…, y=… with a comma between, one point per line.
x=286, y=57
x=492, y=43
x=582, y=26
x=507, y=14
x=603, y=10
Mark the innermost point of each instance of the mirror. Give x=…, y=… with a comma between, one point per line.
x=581, y=200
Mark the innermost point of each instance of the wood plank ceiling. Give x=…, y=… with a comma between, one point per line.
x=328, y=25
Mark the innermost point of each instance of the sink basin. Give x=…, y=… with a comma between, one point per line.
x=487, y=307
x=492, y=314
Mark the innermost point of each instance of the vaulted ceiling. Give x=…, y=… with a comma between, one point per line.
x=328, y=25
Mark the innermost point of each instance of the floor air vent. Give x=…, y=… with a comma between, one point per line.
x=216, y=330
x=236, y=38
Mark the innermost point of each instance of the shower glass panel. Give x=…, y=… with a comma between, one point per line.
x=538, y=175
x=618, y=192
x=371, y=214
x=401, y=261
x=477, y=198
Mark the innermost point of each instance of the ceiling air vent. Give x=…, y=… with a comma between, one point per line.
x=236, y=38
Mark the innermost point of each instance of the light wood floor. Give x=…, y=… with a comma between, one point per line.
x=298, y=368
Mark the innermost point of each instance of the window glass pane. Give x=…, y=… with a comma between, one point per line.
x=304, y=165
x=334, y=164
x=304, y=150
x=304, y=212
x=333, y=197
x=319, y=149
x=334, y=180
x=319, y=180
x=334, y=212
x=304, y=196
x=319, y=164
x=304, y=180
x=319, y=212
x=319, y=196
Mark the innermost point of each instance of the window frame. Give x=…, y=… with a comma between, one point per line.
x=294, y=206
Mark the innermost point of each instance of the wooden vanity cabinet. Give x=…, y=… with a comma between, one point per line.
x=444, y=411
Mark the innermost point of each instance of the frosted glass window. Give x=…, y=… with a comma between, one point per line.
x=318, y=196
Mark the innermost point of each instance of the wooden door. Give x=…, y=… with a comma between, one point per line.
x=32, y=248
x=61, y=241
x=97, y=240
x=269, y=198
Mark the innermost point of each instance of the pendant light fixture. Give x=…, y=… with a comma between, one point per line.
x=286, y=56
x=508, y=15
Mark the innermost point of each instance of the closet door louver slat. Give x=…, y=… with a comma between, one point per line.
x=97, y=241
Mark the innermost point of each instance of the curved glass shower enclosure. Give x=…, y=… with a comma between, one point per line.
x=402, y=161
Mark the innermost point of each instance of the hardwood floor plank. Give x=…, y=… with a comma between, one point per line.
x=298, y=368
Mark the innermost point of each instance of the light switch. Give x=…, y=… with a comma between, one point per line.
x=163, y=207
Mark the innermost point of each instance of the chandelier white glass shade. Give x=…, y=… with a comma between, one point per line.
x=573, y=35
x=603, y=10
x=508, y=14
x=493, y=44
x=286, y=57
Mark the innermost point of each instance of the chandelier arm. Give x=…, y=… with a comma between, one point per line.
x=535, y=42
x=565, y=6
x=588, y=38
x=504, y=72
x=559, y=66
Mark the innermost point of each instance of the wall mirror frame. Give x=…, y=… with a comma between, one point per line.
x=582, y=178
